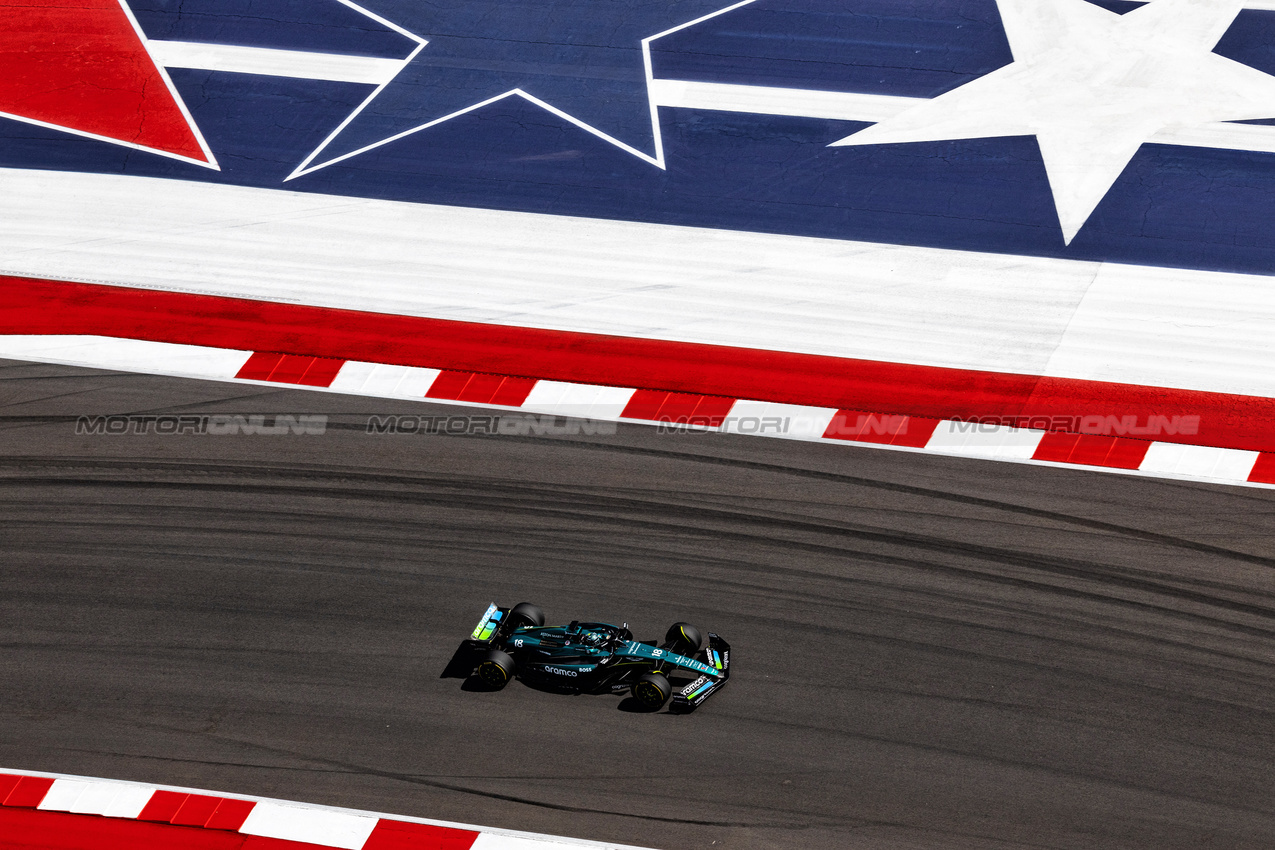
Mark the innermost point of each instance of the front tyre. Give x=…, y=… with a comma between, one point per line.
x=525, y=614
x=684, y=639
x=496, y=669
x=652, y=690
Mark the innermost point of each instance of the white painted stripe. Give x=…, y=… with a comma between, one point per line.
x=794, y=421
x=1199, y=461
x=129, y=800
x=275, y=63
x=379, y=379
x=128, y=355
x=585, y=401
x=993, y=442
x=317, y=826
x=96, y=798
x=820, y=296
x=838, y=106
x=62, y=795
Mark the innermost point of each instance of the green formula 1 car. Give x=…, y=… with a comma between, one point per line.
x=595, y=658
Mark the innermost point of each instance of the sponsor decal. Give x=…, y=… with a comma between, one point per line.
x=689, y=689
x=564, y=672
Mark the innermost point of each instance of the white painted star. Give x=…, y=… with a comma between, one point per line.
x=1093, y=86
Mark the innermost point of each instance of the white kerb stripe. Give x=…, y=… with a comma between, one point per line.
x=129, y=800
x=974, y=440
x=380, y=379
x=794, y=421
x=62, y=795
x=96, y=798
x=1202, y=461
x=587, y=401
x=316, y=826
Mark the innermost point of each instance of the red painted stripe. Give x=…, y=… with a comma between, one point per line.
x=162, y=806
x=49, y=307
x=305, y=370
x=686, y=408
x=911, y=431
x=399, y=835
x=1090, y=450
x=230, y=814
x=195, y=810
x=1264, y=470
x=481, y=388
x=28, y=791
x=8, y=782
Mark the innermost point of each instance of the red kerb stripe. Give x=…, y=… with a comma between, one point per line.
x=230, y=814
x=195, y=810
x=911, y=431
x=1091, y=450
x=1264, y=470
x=399, y=835
x=28, y=791
x=162, y=806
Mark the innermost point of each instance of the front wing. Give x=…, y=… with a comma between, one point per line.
x=693, y=695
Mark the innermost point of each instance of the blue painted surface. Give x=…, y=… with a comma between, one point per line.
x=915, y=49
x=322, y=26
x=1188, y=207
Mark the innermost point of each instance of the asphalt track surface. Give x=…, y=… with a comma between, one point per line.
x=929, y=652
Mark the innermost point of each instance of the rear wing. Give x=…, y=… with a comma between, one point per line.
x=466, y=656
x=717, y=655
x=489, y=624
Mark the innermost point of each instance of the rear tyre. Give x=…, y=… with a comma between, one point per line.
x=652, y=690
x=683, y=638
x=496, y=669
x=525, y=614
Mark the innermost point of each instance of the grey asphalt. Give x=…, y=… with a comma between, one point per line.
x=929, y=652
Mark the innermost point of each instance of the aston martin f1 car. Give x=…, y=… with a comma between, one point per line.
x=596, y=658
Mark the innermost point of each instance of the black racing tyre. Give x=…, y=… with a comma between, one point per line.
x=526, y=614
x=683, y=638
x=496, y=669
x=652, y=690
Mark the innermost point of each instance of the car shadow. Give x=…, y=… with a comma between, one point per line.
x=461, y=665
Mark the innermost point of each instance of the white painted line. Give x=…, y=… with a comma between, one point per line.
x=380, y=379
x=1201, y=461
x=798, y=422
x=275, y=63
x=585, y=401
x=62, y=795
x=296, y=823
x=970, y=439
x=128, y=355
